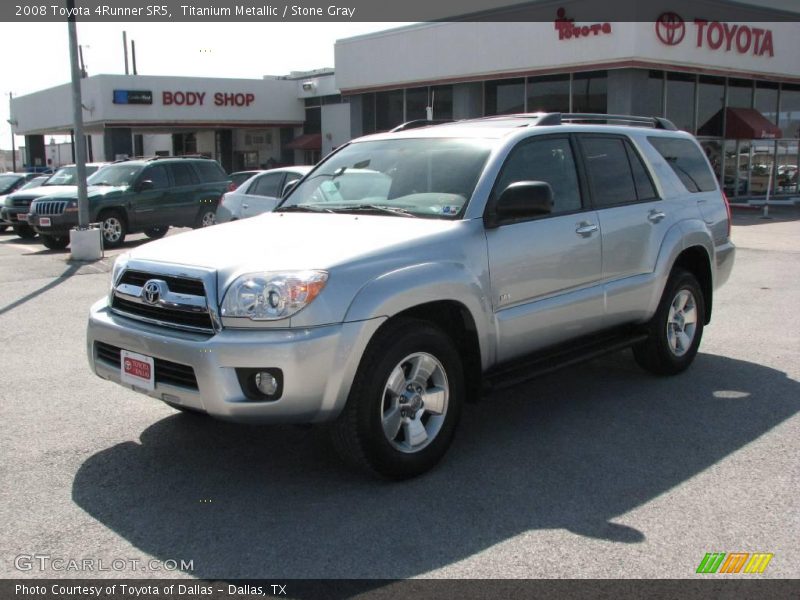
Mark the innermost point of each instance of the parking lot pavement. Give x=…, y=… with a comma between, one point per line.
x=597, y=471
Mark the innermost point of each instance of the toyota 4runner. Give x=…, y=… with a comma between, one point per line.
x=485, y=252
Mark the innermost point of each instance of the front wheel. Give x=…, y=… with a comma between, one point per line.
x=113, y=228
x=26, y=232
x=55, y=242
x=676, y=329
x=156, y=233
x=3, y=228
x=405, y=402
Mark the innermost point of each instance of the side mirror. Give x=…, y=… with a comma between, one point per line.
x=289, y=187
x=521, y=200
x=146, y=184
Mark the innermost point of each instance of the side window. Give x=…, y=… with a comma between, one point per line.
x=609, y=172
x=644, y=185
x=266, y=185
x=544, y=159
x=158, y=175
x=183, y=174
x=687, y=161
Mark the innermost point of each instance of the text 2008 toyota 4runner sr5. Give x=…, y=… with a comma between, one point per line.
x=484, y=252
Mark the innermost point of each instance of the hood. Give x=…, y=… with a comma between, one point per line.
x=70, y=192
x=44, y=190
x=291, y=241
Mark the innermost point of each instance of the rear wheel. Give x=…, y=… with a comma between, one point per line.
x=405, y=402
x=206, y=217
x=113, y=228
x=676, y=329
x=26, y=232
x=54, y=242
x=156, y=233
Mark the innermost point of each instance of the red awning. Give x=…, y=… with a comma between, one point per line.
x=308, y=141
x=749, y=124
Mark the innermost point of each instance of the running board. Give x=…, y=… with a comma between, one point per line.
x=553, y=359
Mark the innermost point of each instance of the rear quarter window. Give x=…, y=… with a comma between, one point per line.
x=687, y=162
x=209, y=170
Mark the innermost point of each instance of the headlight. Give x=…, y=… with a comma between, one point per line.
x=118, y=268
x=271, y=296
x=72, y=206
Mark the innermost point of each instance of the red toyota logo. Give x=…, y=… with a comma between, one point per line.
x=670, y=28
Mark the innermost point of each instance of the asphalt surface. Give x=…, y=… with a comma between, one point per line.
x=597, y=471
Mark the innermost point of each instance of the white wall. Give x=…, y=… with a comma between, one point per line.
x=335, y=126
x=156, y=142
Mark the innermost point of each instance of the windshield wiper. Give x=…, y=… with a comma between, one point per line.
x=302, y=208
x=376, y=208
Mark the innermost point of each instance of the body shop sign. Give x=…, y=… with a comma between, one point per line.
x=726, y=37
x=189, y=98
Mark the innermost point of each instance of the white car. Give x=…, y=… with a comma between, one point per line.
x=259, y=194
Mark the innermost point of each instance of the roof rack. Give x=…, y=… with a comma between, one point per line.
x=181, y=156
x=559, y=118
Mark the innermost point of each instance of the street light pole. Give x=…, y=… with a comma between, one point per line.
x=77, y=117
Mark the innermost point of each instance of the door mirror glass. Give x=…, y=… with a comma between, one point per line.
x=147, y=184
x=289, y=187
x=522, y=200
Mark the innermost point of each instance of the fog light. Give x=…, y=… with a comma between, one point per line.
x=266, y=383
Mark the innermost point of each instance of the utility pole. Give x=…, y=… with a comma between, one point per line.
x=77, y=117
x=13, y=147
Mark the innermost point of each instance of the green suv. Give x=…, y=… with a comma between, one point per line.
x=148, y=195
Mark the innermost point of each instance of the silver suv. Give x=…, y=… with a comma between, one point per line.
x=476, y=254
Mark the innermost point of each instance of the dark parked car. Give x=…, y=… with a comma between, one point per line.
x=147, y=195
x=10, y=183
x=16, y=206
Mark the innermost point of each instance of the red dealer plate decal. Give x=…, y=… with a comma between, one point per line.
x=44, y=221
x=137, y=370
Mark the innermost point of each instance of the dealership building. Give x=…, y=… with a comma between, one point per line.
x=735, y=85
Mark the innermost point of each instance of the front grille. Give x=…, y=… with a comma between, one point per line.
x=167, y=316
x=165, y=371
x=178, y=285
x=50, y=207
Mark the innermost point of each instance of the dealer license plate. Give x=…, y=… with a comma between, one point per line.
x=138, y=370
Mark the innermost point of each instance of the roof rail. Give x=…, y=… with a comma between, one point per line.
x=559, y=118
x=419, y=123
x=181, y=156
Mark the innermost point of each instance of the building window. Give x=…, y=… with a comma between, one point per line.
x=590, y=92
x=766, y=100
x=740, y=93
x=710, y=102
x=504, y=96
x=184, y=143
x=789, y=113
x=442, y=101
x=368, y=114
x=388, y=109
x=416, y=103
x=548, y=94
x=680, y=100
x=313, y=122
x=648, y=95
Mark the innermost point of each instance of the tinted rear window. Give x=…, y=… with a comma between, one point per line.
x=210, y=170
x=687, y=161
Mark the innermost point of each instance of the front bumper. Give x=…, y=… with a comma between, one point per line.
x=59, y=224
x=318, y=365
x=14, y=215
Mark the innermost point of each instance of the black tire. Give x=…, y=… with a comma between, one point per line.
x=26, y=232
x=156, y=233
x=3, y=228
x=54, y=242
x=113, y=228
x=657, y=353
x=206, y=217
x=358, y=433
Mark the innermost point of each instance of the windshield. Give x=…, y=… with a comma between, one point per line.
x=7, y=182
x=431, y=178
x=68, y=175
x=122, y=174
x=35, y=182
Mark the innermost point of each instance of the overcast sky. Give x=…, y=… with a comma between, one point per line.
x=36, y=56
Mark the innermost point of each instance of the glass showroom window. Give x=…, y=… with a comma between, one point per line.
x=680, y=100
x=416, y=103
x=548, y=94
x=786, y=169
x=504, y=97
x=710, y=102
x=442, y=101
x=590, y=92
x=648, y=99
x=388, y=109
x=766, y=100
x=789, y=114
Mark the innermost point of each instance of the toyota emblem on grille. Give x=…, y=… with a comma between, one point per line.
x=153, y=290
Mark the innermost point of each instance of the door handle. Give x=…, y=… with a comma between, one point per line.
x=245, y=206
x=655, y=216
x=586, y=229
